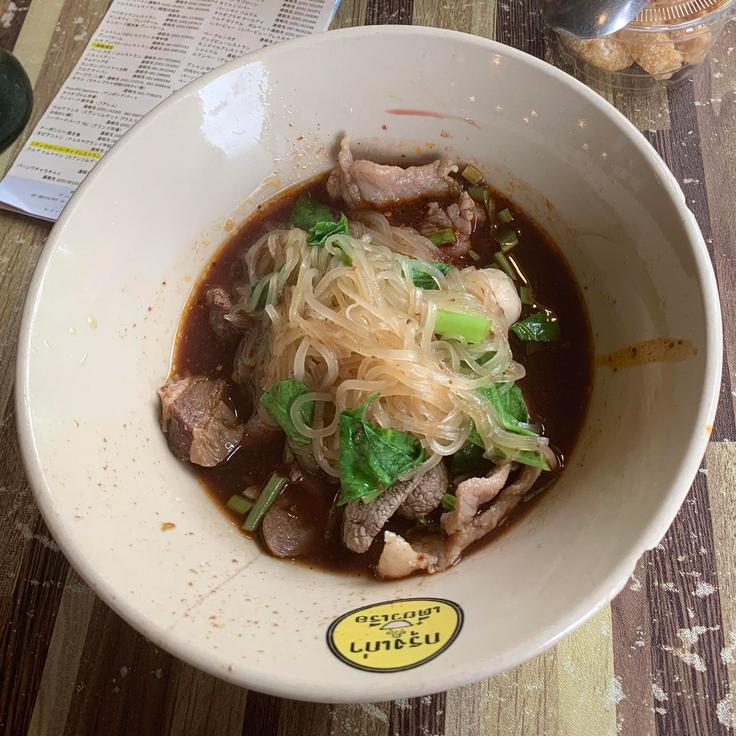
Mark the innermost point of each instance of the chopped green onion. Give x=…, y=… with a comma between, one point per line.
x=505, y=216
x=479, y=195
x=268, y=495
x=505, y=265
x=239, y=504
x=440, y=237
x=473, y=328
x=507, y=240
x=448, y=502
x=472, y=175
x=526, y=295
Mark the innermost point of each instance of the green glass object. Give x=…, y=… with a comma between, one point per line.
x=16, y=98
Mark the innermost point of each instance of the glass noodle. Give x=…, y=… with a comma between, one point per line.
x=347, y=320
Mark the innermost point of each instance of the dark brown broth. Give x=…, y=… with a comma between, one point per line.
x=557, y=386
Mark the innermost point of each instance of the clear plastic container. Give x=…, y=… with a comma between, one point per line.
x=662, y=46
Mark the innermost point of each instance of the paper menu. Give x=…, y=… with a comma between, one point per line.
x=142, y=51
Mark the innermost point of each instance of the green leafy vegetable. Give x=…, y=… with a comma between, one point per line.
x=440, y=237
x=239, y=504
x=324, y=228
x=421, y=275
x=317, y=219
x=307, y=213
x=470, y=459
x=448, y=502
x=508, y=401
x=541, y=326
x=372, y=458
x=265, y=500
x=525, y=457
x=505, y=216
x=473, y=328
x=278, y=400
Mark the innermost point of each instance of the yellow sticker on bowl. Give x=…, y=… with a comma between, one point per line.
x=396, y=635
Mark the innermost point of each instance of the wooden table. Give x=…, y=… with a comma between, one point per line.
x=661, y=659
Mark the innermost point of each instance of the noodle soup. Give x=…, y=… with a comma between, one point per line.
x=378, y=374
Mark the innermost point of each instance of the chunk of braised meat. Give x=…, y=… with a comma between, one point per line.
x=364, y=183
x=199, y=424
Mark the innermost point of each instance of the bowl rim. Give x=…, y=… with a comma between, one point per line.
x=287, y=685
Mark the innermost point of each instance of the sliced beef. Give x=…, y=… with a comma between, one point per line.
x=365, y=183
x=220, y=304
x=199, y=424
x=426, y=497
x=363, y=521
x=463, y=216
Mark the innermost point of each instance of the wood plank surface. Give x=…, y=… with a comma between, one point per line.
x=659, y=661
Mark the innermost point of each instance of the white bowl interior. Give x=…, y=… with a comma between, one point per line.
x=105, y=304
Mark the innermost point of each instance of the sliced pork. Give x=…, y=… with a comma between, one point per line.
x=471, y=494
x=463, y=217
x=365, y=183
x=199, y=424
x=399, y=559
x=485, y=522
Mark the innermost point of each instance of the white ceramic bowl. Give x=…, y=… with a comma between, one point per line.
x=106, y=298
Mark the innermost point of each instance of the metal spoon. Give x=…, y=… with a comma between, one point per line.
x=591, y=18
